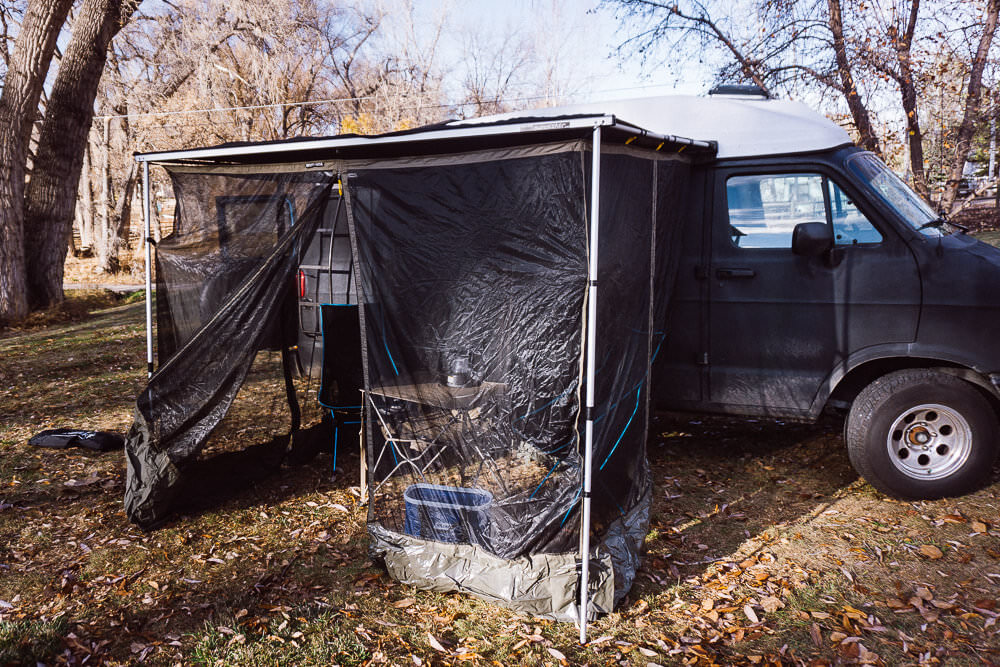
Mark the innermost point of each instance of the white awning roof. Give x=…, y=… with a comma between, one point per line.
x=742, y=126
x=480, y=128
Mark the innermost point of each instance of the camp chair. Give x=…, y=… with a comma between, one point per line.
x=342, y=376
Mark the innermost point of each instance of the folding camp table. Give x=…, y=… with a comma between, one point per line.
x=458, y=412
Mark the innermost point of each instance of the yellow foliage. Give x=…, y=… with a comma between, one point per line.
x=366, y=123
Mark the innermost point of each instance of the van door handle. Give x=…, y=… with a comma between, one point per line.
x=734, y=273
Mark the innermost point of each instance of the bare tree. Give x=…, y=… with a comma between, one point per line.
x=845, y=71
x=973, y=99
x=51, y=194
x=10, y=15
x=559, y=70
x=85, y=204
x=494, y=66
x=28, y=65
x=834, y=45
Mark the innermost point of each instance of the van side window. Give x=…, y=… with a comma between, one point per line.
x=850, y=225
x=764, y=209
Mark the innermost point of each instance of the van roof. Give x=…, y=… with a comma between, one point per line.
x=741, y=126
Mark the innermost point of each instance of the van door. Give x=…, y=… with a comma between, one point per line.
x=779, y=323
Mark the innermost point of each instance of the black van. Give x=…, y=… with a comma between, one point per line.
x=820, y=282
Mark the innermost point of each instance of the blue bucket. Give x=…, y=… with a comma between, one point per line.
x=447, y=513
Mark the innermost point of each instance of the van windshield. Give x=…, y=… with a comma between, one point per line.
x=891, y=189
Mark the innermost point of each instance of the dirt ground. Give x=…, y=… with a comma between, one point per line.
x=765, y=548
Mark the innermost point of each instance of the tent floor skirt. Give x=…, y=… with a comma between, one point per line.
x=543, y=585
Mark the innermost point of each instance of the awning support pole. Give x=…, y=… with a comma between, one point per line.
x=591, y=329
x=149, y=268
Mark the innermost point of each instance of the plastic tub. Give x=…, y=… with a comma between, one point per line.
x=447, y=513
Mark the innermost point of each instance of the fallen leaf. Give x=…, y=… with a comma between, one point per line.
x=707, y=604
x=771, y=604
x=930, y=615
x=931, y=551
x=837, y=637
x=751, y=614
x=74, y=483
x=816, y=634
x=866, y=656
x=435, y=644
x=557, y=655
x=404, y=603
x=979, y=526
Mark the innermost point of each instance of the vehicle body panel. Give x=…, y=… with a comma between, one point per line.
x=762, y=331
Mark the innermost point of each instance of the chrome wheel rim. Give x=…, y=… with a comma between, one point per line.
x=929, y=442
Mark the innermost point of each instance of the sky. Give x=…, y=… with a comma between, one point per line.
x=585, y=35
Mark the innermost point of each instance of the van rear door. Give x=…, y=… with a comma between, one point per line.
x=779, y=323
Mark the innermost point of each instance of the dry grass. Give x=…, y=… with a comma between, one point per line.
x=765, y=547
x=85, y=270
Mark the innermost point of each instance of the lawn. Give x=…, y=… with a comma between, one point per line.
x=765, y=547
x=992, y=236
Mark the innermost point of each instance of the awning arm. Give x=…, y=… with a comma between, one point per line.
x=148, y=239
x=591, y=329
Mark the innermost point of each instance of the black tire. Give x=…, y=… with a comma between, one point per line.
x=922, y=434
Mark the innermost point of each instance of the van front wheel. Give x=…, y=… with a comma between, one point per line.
x=922, y=434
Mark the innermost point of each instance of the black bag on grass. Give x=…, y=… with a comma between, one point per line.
x=61, y=438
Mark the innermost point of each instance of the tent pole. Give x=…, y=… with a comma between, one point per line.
x=591, y=328
x=149, y=270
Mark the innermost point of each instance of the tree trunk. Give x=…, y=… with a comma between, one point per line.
x=118, y=230
x=52, y=190
x=29, y=63
x=973, y=98
x=862, y=121
x=908, y=91
x=86, y=219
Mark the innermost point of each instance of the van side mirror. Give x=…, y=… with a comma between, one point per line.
x=812, y=239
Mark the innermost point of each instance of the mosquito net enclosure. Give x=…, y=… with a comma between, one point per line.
x=510, y=288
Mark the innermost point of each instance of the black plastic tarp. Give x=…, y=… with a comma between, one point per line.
x=473, y=279
x=224, y=288
x=481, y=263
